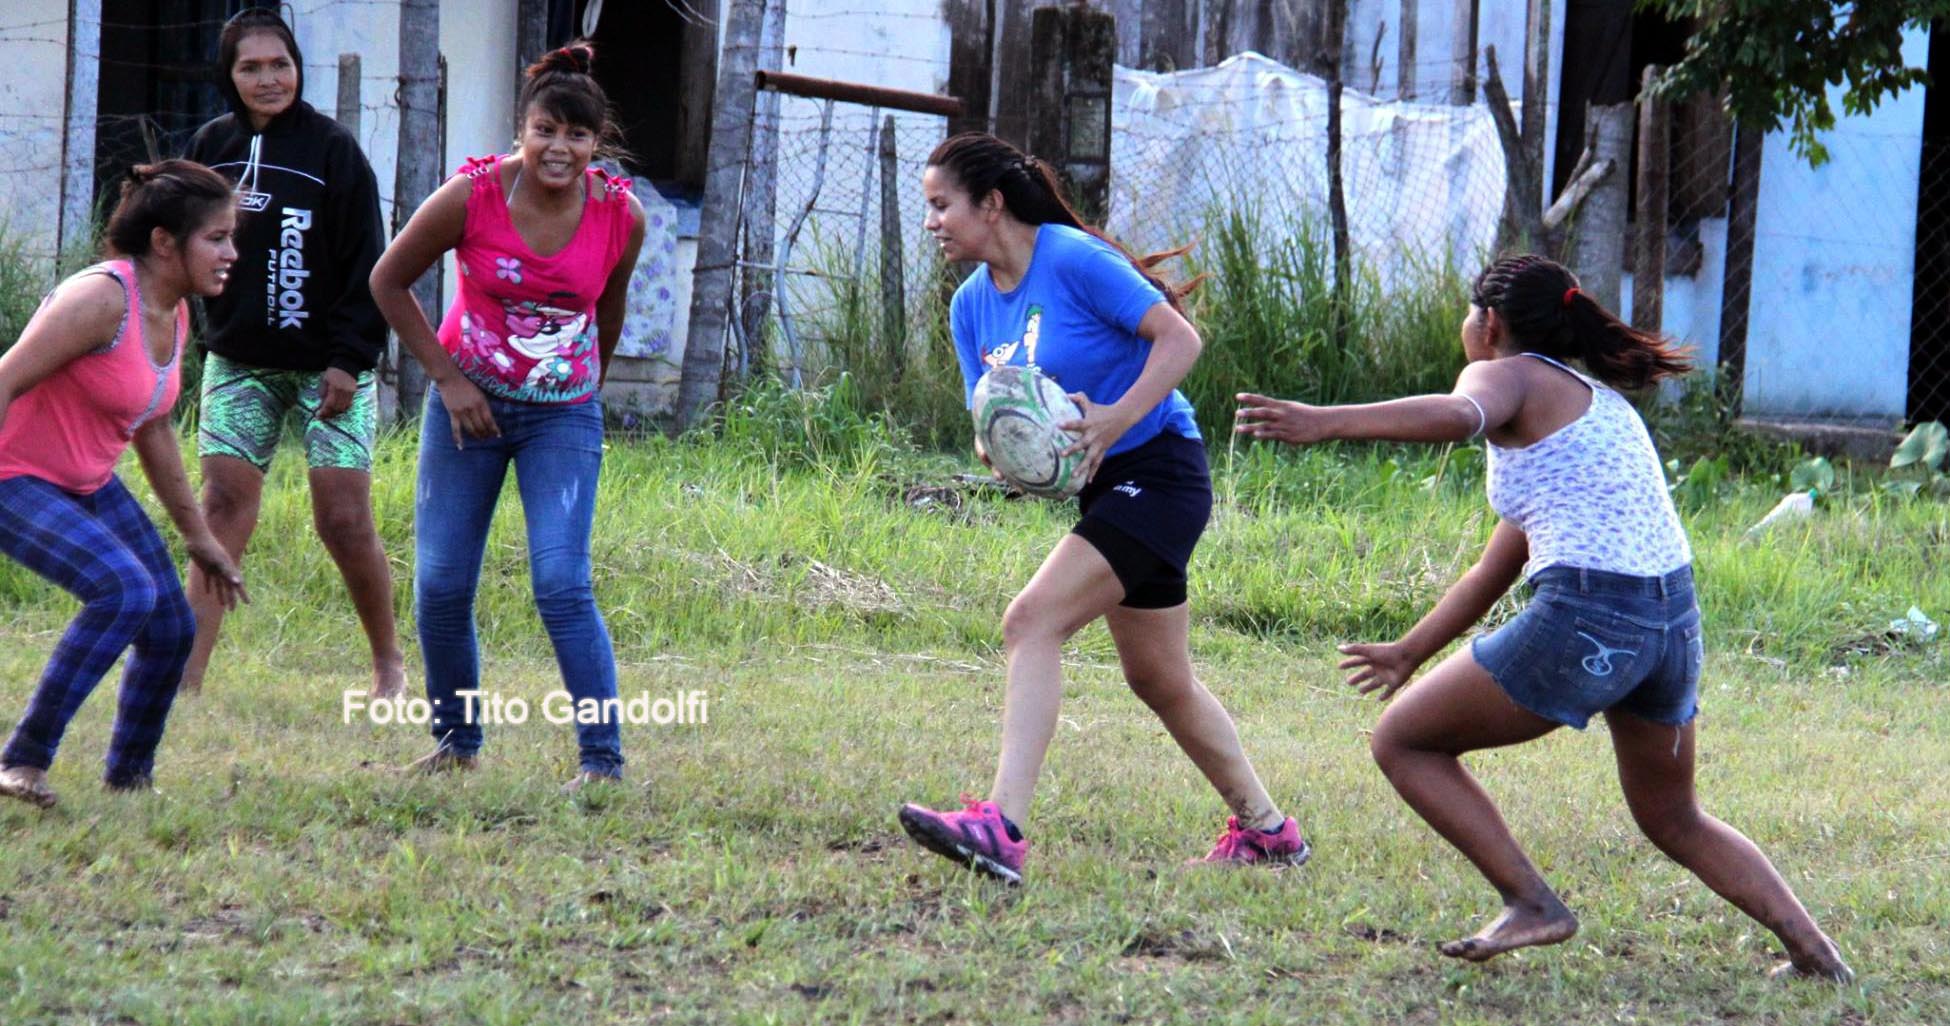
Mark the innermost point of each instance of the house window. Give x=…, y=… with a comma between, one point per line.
x=658, y=62
x=154, y=87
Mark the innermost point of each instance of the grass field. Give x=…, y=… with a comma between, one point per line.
x=848, y=638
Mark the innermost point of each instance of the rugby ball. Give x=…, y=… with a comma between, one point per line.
x=1016, y=411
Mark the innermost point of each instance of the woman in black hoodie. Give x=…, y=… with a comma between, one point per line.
x=295, y=329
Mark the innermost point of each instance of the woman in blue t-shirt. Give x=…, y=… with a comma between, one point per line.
x=1054, y=293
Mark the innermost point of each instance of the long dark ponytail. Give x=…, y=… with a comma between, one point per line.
x=1030, y=191
x=1549, y=314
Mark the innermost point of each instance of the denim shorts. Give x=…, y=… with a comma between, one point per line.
x=1591, y=641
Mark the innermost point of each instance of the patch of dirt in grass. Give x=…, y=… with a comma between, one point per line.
x=1182, y=946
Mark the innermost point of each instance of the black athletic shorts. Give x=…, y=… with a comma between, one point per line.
x=1144, y=511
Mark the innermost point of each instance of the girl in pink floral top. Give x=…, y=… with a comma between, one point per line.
x=524, y=325
x=545, y=246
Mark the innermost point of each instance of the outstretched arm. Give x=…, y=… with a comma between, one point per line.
x=1386, y=667
x=1487, y=396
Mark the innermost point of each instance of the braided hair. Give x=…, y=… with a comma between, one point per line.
x=1548, y=314
x=1030, y=191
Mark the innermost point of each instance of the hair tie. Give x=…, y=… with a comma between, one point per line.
x=1570, y=294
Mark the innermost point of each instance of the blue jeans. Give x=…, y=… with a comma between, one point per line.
x=557, y=453
x=1590, y=641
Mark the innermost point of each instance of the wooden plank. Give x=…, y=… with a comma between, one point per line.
x=971, y=58
x=1649, y=258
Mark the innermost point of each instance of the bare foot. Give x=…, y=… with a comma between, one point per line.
x=1520, y=926
x=389, y=677
x=1823, y=962
x=27, y=784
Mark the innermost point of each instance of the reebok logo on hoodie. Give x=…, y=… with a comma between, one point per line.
x=285, y=284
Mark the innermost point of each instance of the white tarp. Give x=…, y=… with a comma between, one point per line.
x=1424, y=182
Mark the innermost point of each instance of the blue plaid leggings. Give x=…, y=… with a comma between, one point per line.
x=102, y=549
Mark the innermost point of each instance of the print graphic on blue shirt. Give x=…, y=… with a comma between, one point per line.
x=1075, y=316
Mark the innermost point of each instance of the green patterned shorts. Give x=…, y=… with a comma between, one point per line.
x=244, y=410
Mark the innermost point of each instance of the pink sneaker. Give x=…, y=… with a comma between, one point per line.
x=976, y=837
x=1246, y=846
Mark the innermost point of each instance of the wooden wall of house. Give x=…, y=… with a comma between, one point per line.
x=990, y=63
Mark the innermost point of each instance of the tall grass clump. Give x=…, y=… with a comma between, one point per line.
x=1267, y=315
x=22, y=280
x=832, y=425
x=905, y=368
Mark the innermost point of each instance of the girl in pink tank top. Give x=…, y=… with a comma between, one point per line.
x=94, y=371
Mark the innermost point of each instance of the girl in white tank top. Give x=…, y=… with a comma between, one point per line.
x=1611, y=627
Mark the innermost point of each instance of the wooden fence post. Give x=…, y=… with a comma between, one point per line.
x=1462, y=49
x=417, y=172
x=1649, y=260
x=348, y=109
x=1597, y=250
x=1329, y=63
x=893, y=263
x=1737, y=294
x=1405, y=49
x=717, y=243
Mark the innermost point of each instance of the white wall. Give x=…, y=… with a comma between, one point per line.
x=33, y=102
x=1834, y=257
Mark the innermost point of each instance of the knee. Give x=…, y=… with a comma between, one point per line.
x=1160, y=691
x=1028, y=620
x=171, y=627
x=1669, y=825
x=228, y=503
x=343, y=525
x=436, y=591
x=1388, y=747
x=127, y=597
x=562, y=586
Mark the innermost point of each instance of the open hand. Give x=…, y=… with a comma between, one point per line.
x=1384, y=668
x=1279, y=420
x=220, y=573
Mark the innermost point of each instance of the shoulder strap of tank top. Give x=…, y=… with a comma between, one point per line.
x=122, y=272
x=1595, y=384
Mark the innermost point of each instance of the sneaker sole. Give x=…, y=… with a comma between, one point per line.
x=922, y=830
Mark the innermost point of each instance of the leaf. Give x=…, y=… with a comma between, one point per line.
x=1926, y=444
x=1816, y=474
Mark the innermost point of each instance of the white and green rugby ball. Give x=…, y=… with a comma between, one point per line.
x=1016, y=411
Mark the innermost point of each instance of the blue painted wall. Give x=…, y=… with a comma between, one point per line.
x=1834, y=255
